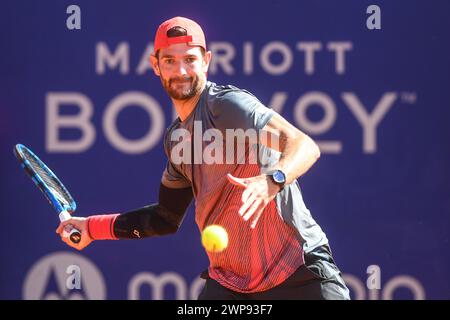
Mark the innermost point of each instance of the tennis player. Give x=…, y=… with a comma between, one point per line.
x=276, y=249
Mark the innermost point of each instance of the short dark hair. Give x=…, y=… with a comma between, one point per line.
x=177, y=32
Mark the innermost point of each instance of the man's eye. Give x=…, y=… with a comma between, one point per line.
x=169, y=61
x=190, y=60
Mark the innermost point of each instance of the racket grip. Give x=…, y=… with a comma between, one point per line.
x=74, y=234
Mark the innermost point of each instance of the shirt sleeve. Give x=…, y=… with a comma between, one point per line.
x=238, y=109
x=171, y=177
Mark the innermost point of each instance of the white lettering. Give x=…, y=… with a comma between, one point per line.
x=157, y=284
x=403, y=281
x=74, y=280
x=74, y=20
x=283, y=49
x=112, y=60
x=309, y=48
x=223, y=53
x=340, y=48
x=153, y=135
x=369, y=122
x=374, y=20
x=248, y=58
x=145, y=64
x=81, y=121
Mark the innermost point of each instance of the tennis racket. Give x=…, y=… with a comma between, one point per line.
x=51, y=187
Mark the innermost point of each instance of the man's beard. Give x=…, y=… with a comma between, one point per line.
x=185, y=93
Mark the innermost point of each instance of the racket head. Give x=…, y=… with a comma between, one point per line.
x=53, y=189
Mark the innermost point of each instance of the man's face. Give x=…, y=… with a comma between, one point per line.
x=182, y=70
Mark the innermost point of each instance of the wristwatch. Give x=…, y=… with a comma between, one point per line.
x=278, y=177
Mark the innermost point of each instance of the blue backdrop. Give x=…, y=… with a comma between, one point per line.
x=376, y=101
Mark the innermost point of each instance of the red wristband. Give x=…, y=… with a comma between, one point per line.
x=101, y=227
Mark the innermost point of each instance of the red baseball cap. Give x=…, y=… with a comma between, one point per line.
x=194, y=36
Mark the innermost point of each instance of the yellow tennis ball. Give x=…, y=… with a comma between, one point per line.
x=214, y=238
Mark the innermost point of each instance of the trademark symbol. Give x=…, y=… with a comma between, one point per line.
x=408, y=97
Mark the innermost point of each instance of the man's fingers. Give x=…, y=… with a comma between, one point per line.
x=248, y=192
x=236, y=181
x=255, y=220
x=247, y=204
x=255, y=205
x=62, y=225
x=67, y=241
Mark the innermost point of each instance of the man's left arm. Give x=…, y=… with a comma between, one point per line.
x=298, y=153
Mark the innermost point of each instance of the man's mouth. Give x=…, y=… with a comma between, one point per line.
x=180, y=81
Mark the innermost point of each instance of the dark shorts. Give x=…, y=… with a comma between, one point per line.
x=318, y=279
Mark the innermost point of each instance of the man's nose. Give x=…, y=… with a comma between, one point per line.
x=181, y=69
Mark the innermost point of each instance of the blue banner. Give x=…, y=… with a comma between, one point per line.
x=368, y=81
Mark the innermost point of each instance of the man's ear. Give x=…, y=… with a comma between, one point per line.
x=155, y=66
x=206, y=61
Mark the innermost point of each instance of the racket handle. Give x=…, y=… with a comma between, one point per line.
x=74, y=234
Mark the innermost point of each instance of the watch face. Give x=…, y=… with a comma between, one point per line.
x=279, y=177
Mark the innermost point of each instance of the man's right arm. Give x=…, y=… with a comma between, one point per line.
x=164, y=217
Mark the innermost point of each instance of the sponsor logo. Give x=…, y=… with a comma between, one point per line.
x=64, y=276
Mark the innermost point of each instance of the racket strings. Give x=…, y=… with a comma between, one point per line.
x=48, y=178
